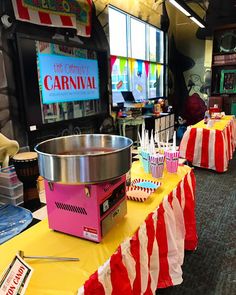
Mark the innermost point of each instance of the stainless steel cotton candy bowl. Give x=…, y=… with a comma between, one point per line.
x=87, y=158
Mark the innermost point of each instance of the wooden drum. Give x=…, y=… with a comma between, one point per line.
x=27, y=170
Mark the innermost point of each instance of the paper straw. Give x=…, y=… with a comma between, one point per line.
x=157, y=139
x=174, y=141
x=155, y=136
x=142, y=135
x=152, y=145
x=146, y=145
x=140, y=139
x=167, y=139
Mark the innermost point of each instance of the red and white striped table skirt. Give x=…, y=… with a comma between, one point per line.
x=153, y=257
x=209, y=148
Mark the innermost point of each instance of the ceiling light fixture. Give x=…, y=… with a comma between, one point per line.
x=178, y=6
x=184, y=8
x=197, y=22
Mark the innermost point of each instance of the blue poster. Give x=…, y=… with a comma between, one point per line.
x=65, y=78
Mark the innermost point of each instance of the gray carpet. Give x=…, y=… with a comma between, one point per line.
x=211, y=269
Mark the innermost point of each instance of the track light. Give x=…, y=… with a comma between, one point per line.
x=184, y=8
x=178, y=6
x=197, y=22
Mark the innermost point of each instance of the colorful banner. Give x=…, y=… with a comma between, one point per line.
x=123, y=61
x=112, y=61
x=131, y=65
x=59, y=13
x=146, y=64
x=159, y=67
x=140, y=67
x=152, y=68
x=65, y=78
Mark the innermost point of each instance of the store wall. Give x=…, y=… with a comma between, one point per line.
x=199, y=50
x=190, y=66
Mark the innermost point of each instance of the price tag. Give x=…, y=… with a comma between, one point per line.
x=16, y=277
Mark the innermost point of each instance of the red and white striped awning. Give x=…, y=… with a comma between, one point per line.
x=49, y=18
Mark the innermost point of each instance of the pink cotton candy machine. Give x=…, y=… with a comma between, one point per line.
x=85, y=182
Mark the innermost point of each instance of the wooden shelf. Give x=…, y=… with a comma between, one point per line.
x=224, y=65
x=222, y=53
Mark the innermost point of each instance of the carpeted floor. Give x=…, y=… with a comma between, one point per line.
x=211, y=269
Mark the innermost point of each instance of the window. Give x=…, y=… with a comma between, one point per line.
x=138, y=81
x=119, y=78
x=137, y=28
x=138, y=62
x=152, y=44
x=118, y=38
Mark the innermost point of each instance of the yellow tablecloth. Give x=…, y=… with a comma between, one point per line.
x=65, y=278
x=218, y=124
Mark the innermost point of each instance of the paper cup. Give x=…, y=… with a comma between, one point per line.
x=172, y=161
x=145, y=160
x=157, y=165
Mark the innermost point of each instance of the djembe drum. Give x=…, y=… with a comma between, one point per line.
x=27, y=170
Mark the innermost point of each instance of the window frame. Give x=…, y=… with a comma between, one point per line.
x=163, y=62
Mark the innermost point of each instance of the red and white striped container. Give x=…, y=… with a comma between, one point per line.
x=172, y=161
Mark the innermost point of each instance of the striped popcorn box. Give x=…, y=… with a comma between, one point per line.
x=140, y=189
x=157, y=165
x=136, y=193
x=172, y=161
x=145, y=160
x=149, y=184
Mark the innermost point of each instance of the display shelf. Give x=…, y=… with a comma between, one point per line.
x=224, y=59
x=224, y=65
x=222, y=53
